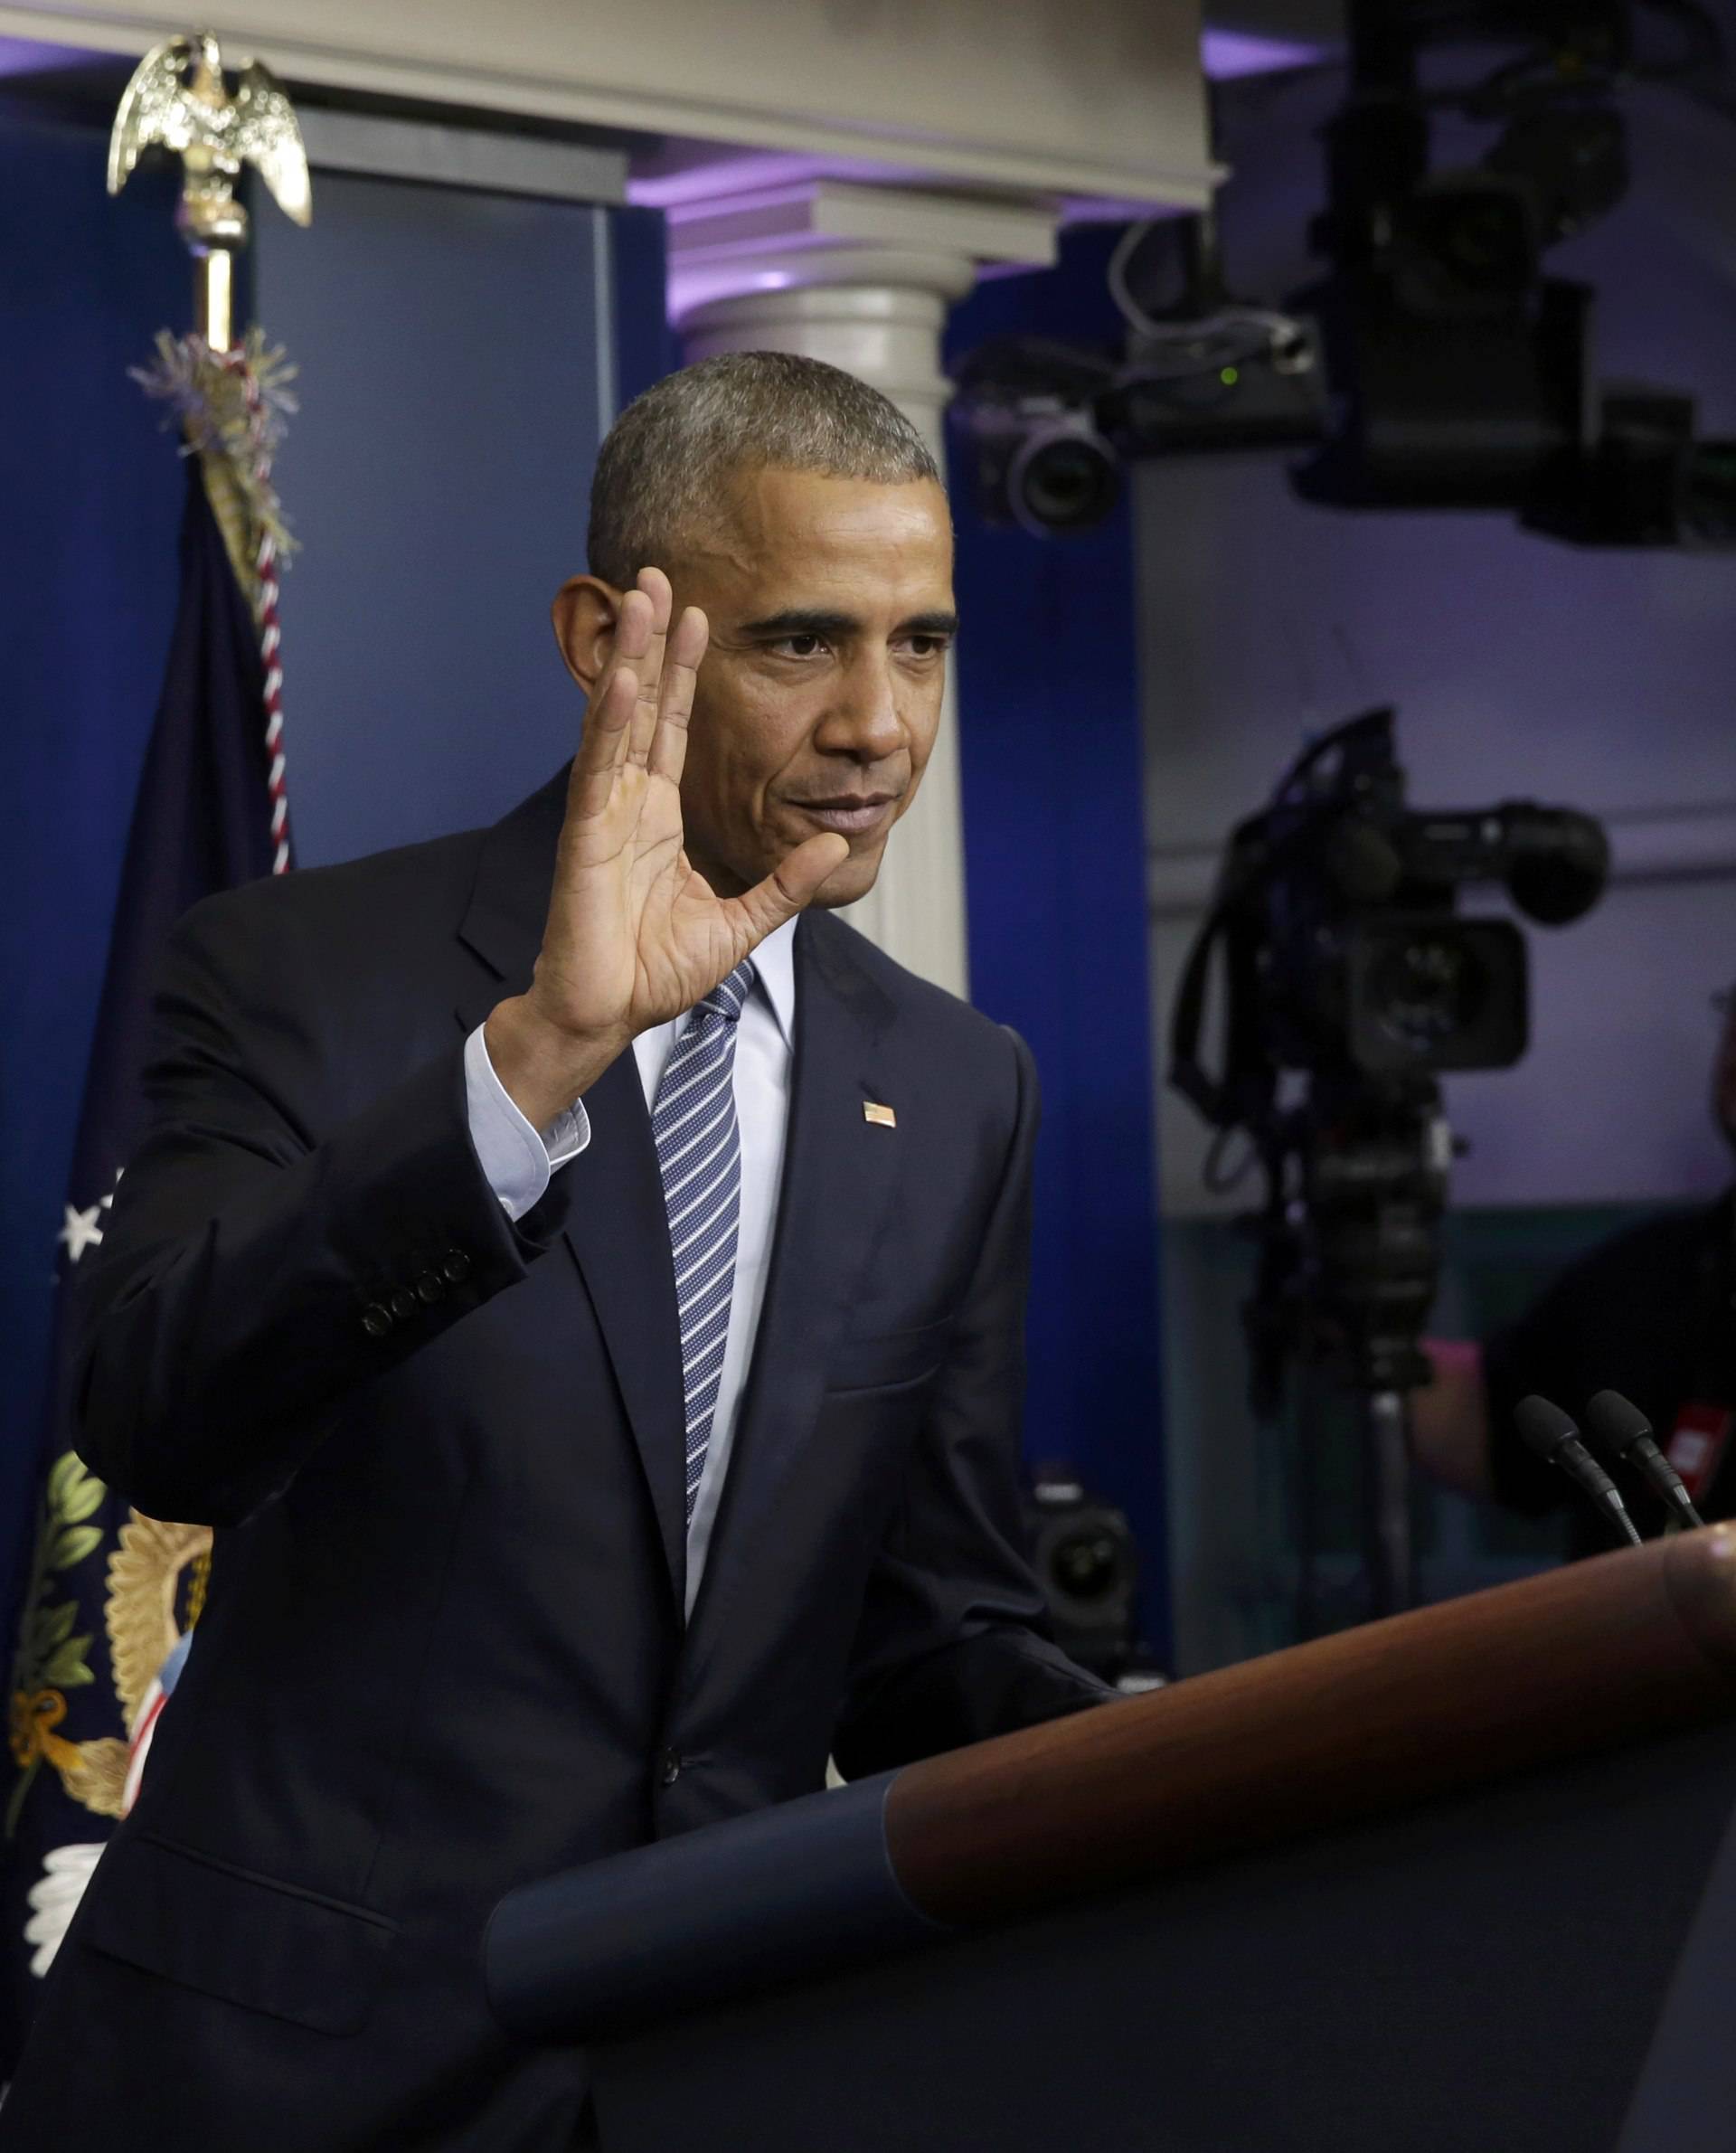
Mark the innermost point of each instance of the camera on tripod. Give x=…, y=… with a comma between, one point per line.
x=1350, y=985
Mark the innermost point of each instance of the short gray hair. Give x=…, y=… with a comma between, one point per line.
x=669, y=457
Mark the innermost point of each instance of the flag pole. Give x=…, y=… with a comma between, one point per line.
x=228, y=387
x=215, y=227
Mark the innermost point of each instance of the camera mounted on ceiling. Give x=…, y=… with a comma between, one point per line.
x=1049, y=425
x=1435, y=364
x=1462, y=372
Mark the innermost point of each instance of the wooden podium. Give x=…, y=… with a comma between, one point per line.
x=1464, y=1879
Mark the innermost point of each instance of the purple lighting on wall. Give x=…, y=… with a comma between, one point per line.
x=695, y=187
x=25, y=56
x=1226, y=53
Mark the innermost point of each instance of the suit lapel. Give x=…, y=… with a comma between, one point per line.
x=836, y=1180
x=614, y=1229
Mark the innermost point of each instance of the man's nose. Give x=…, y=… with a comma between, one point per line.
x=864, y=720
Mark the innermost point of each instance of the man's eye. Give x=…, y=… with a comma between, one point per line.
x=927, y=647
x=798, y=646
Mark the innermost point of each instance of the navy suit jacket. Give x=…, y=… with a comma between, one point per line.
x=443, y=1650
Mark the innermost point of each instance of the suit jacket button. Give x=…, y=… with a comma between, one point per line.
x=668, y=1768
x=375, y=1320
x=430, y=1286
x=454, y=1267
x=403, y=1304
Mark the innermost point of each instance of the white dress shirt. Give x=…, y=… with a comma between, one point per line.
x=519, y=1163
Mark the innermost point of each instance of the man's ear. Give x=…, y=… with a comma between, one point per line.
x=584, y=614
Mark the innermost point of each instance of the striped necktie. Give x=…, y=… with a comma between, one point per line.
x=699, y=1157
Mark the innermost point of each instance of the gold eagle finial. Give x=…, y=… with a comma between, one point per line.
x=176, y=99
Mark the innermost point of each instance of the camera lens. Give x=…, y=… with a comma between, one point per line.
x=1426, y=990
x=1468, y=249
x=1066, y=480
x=1430, y=992
x=1487, y=244
x=1086, y=1565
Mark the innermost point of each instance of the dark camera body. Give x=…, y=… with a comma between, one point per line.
x=1344, y=947
x=1088, y=1564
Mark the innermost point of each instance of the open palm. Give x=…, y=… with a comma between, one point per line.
x=634, y=933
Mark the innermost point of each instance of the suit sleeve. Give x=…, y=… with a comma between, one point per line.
x=953, y=1645
x=256, y=1270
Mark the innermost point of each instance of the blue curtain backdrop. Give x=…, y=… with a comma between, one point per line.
x=90, y=499
x=1052, y=762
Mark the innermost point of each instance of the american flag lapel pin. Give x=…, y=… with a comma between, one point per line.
x=882, y=1117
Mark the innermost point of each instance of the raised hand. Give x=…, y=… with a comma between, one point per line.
x=635, y=934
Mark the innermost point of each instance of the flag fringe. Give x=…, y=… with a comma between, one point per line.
x=234, y=409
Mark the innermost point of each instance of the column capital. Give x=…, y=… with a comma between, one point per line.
x=831, y=234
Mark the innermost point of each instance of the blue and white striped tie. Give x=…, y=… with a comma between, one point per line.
x=699, y=1157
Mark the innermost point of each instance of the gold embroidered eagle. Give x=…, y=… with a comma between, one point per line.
x=215, y=134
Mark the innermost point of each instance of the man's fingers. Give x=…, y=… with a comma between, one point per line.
x=654, y=586
x=686, y=647
x=631, y=641
x=635, y=626
x=606, y=734
x=602, y=748
x=793, y=883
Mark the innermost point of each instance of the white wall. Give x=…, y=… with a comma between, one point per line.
x=1520, y=667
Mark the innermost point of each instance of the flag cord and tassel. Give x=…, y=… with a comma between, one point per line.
x=232, y=407
x=266, y=579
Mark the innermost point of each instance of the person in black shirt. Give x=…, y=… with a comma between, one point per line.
x=1650, y=1313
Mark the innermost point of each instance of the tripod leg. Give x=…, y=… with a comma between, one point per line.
x=1392, y=1557
x=1309, y=1434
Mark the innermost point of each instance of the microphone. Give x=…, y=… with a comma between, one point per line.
x=1621, y=1430
x=1552, y=1435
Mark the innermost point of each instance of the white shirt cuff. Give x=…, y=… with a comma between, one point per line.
x=516, y=1160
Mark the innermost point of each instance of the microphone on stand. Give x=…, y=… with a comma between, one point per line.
x=1553, y=1435
x=1621, y=1430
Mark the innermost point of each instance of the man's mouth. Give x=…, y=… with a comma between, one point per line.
x=854, y=815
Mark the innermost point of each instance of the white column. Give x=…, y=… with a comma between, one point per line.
x=862, y=276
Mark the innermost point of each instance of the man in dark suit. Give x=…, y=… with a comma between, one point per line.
x=586, y=1299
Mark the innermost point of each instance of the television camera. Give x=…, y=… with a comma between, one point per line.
x=1351, y=983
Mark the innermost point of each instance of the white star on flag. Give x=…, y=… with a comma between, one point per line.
x=81, y=1231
